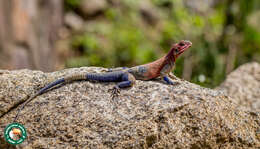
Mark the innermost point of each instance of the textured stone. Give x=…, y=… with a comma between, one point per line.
x=151, y=114
x=243, y=85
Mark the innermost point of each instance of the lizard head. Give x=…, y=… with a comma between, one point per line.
x=180, y=47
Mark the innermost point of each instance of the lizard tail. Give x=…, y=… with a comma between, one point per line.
x=47, y=87
x=59, y=81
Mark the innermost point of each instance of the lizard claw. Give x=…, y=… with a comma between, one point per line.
x=115, y=91
x=172, y=76
x=171, y=83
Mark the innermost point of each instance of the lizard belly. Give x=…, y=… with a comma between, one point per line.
x=145, y=72
x=148, y=71
x=153, y=72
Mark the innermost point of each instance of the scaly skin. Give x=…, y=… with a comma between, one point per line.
x=126, y=77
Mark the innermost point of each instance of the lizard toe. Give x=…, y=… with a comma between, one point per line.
x=115, y=91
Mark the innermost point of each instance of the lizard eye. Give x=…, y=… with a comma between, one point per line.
x=181, y=44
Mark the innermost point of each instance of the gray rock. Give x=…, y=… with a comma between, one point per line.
x=92, y=7
x=151, y=114
x=243, y=85
x=73, y=21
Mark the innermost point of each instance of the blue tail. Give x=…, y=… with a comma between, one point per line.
x=107, y=77
x=59, y=81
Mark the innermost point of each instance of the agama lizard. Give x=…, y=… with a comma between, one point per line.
x=126, y=77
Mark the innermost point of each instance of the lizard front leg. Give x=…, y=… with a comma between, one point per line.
x=168, y=80
x=164, y=73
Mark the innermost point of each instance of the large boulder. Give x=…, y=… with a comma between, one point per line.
x=151, y=114
x=243, y=85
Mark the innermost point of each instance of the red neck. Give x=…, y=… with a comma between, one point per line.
x=170, y=56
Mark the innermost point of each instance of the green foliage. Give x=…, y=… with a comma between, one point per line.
x=71, y=4
x=251, y=40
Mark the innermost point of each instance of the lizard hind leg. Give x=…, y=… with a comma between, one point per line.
x=127, y=80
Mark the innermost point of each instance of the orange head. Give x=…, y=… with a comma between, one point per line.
x=178, y=48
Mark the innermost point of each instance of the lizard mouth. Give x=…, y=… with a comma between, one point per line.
x=187, y=44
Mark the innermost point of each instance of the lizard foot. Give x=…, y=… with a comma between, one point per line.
x=115, y=91
x=172, y=76
x=174, y=83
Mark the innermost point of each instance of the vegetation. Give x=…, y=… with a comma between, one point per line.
x=225, y=34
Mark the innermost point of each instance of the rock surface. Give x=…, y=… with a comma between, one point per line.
x=151, y=114
x=243, y=85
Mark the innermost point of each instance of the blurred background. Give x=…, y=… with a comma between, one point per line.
x=50, y=35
